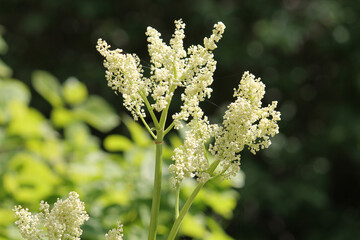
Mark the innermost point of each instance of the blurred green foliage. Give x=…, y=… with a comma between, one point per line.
x=307, y=184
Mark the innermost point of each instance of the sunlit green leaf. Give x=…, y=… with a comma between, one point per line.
x=26, y=122
x=74, y=91
x=139, y=134
x=221, y=202
x=98, y=113
x=11, y=90
x=48, y=87
x=3, y=45
x=78, y=138
x=216, y=232
x=62, y=117
x=117, y=143
x=5, y=70
x=7, y=216
x=20, y=180
x=193, y=226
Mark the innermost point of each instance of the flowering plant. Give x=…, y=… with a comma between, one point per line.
x=245, y=123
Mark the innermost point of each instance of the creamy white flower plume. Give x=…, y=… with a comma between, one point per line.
x=190, y=158
x=62, y=222
x=116, y=233
x=124, y=74
x=171, y=67
x=245, y=123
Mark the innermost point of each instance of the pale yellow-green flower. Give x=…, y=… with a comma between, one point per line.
x=171, y=67
x=246, y=123
x=190, y=159
x=116, y=233
x=124, y=74
x=62, y=222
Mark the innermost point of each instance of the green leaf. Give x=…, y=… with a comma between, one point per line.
x=20, y=181
x=221, y=202
x=48, y=87
x=193, y=226
x=61, y=117
x=11, y=90
x=7, y=216
x=216, y=232
x=97, y=113
x=74, y=92
x=138, y=133
x=5, y=70
x=26, y=122
x=3, y=45
x=117, y=143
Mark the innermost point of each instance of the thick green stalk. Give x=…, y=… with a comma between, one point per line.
x=176, y=226
x=184, y=210
x=157, y=186
x=177, y=200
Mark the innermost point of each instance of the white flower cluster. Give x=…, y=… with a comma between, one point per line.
x=190, y=158
x=172, y=67
x=115, y=234
x=29, y=225
x=62, y=222
x=245, y=123
x=124, y=74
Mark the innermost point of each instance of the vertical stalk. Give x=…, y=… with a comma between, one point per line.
x=176, y=226
x=177, y=200
x=157, y=186
x=184, y=210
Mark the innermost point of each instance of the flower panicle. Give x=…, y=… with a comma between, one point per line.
x=172, y=66
x=245, y=124
x=62, y=222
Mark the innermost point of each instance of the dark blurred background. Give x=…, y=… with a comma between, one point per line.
x=307, y=184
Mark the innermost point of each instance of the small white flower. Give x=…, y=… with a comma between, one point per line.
x=124, y=74
x=245, y=123
x=171, y=67
x=116, y=233
x=190, y=158
x=62, y=222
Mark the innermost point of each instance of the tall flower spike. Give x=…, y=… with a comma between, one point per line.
x=171, y=66
x=198, y=76
x=124, y=74
x=190, y=158
x=245, y=123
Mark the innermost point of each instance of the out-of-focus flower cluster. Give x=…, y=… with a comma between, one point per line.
x=116, y=233
x=62, y=222
x=171, y=66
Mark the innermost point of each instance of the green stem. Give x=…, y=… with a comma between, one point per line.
x=177, y=199
x=157, y=186
x=184, y=210
x=147, y=127
x=176, y=226
x=150, y=109
x=169, y=128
